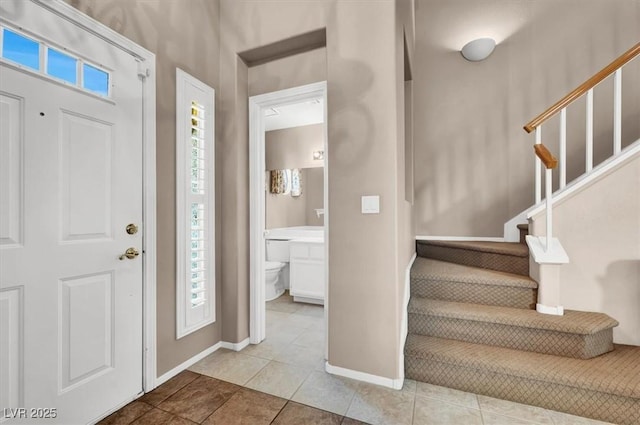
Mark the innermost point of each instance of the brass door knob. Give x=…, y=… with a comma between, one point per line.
x=132, y=229
x=130, y=253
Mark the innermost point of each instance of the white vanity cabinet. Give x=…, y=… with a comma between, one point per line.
x=307, y=270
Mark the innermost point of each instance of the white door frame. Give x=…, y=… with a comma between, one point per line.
x=146, y=71
x=257, y=106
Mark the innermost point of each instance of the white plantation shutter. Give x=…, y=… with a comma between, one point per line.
x=194, y=204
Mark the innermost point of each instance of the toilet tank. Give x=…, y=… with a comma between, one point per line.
x=277, y=250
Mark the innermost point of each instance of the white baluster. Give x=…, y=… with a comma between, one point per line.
x=589, y=148
x=549, y=208
x=617, y=112
x=538, y=176
x=563, y=148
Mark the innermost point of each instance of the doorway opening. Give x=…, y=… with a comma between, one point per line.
x=306, y=245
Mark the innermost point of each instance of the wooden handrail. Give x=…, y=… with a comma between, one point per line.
x=584, y=87
x=545, y=156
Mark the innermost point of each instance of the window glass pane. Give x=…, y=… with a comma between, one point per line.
x=62, y=66
x=21, y=49
x=95, y=80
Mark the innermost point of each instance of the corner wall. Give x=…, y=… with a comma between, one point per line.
x=362, y=82
x=158, y=26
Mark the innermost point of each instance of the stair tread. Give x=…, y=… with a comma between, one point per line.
x=573, y=321
x=427, y=268
x=616, y=372
x=506, y=248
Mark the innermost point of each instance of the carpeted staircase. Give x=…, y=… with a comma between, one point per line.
x=473, y=327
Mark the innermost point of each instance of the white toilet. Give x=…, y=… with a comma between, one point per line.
x=274, y=286
x=275, y=268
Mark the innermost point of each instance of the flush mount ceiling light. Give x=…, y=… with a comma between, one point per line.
x=479, y=49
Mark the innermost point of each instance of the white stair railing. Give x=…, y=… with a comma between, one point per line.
x=586, y=89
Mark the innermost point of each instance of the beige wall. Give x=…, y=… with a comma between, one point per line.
x=291, y=71
x=599, y=227
x=287, y=211
x=294, y=147
x=314, y=182
x=474, y=162
x=159, y=26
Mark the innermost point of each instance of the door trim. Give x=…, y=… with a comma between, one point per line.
x=146, y=71
x=257, y=106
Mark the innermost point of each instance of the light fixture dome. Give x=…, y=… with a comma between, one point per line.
x=479, y=49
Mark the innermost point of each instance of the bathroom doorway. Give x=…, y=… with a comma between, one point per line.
x=261, y=183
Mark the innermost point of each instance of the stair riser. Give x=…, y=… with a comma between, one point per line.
x=485, y=260
x=553, y=396
x=509, y=336
x=505, y=296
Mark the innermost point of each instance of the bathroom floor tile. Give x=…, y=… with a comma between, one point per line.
x=311, y=338
x=169, y=388
x=447, y=394
x=284, y=303
x=230, y=366
x=311, y=310
x=247, y=407
x=514, y=410
x=199, y=399
x=297, y=414
x=326, y=392
x=279, y=379
x=437, y=412
x=274, y=317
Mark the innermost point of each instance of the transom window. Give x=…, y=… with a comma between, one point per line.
x=36, y=56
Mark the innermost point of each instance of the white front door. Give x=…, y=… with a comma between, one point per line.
x=70, y=184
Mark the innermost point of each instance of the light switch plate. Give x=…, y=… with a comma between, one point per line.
x=371, y=204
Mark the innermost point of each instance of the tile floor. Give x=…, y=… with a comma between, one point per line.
x=282, y=381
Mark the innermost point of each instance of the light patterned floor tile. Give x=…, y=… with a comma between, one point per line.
x=327, y=392
x=560, y=418
x=302, y=356
x=279, y=379
x=447, y=394
x=382, y=406
x=515, y=410
x=436, y=412
x=230, y=366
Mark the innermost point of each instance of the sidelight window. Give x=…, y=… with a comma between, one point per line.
x=194, y=204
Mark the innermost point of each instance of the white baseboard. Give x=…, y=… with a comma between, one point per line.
x=186, y=364
x=396, y=384
x=235, y=346
x=460, y=238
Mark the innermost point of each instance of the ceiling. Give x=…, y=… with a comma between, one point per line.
x=295, y=115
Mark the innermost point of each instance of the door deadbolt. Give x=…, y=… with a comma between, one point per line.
x=132, y=229
x=130, y=253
